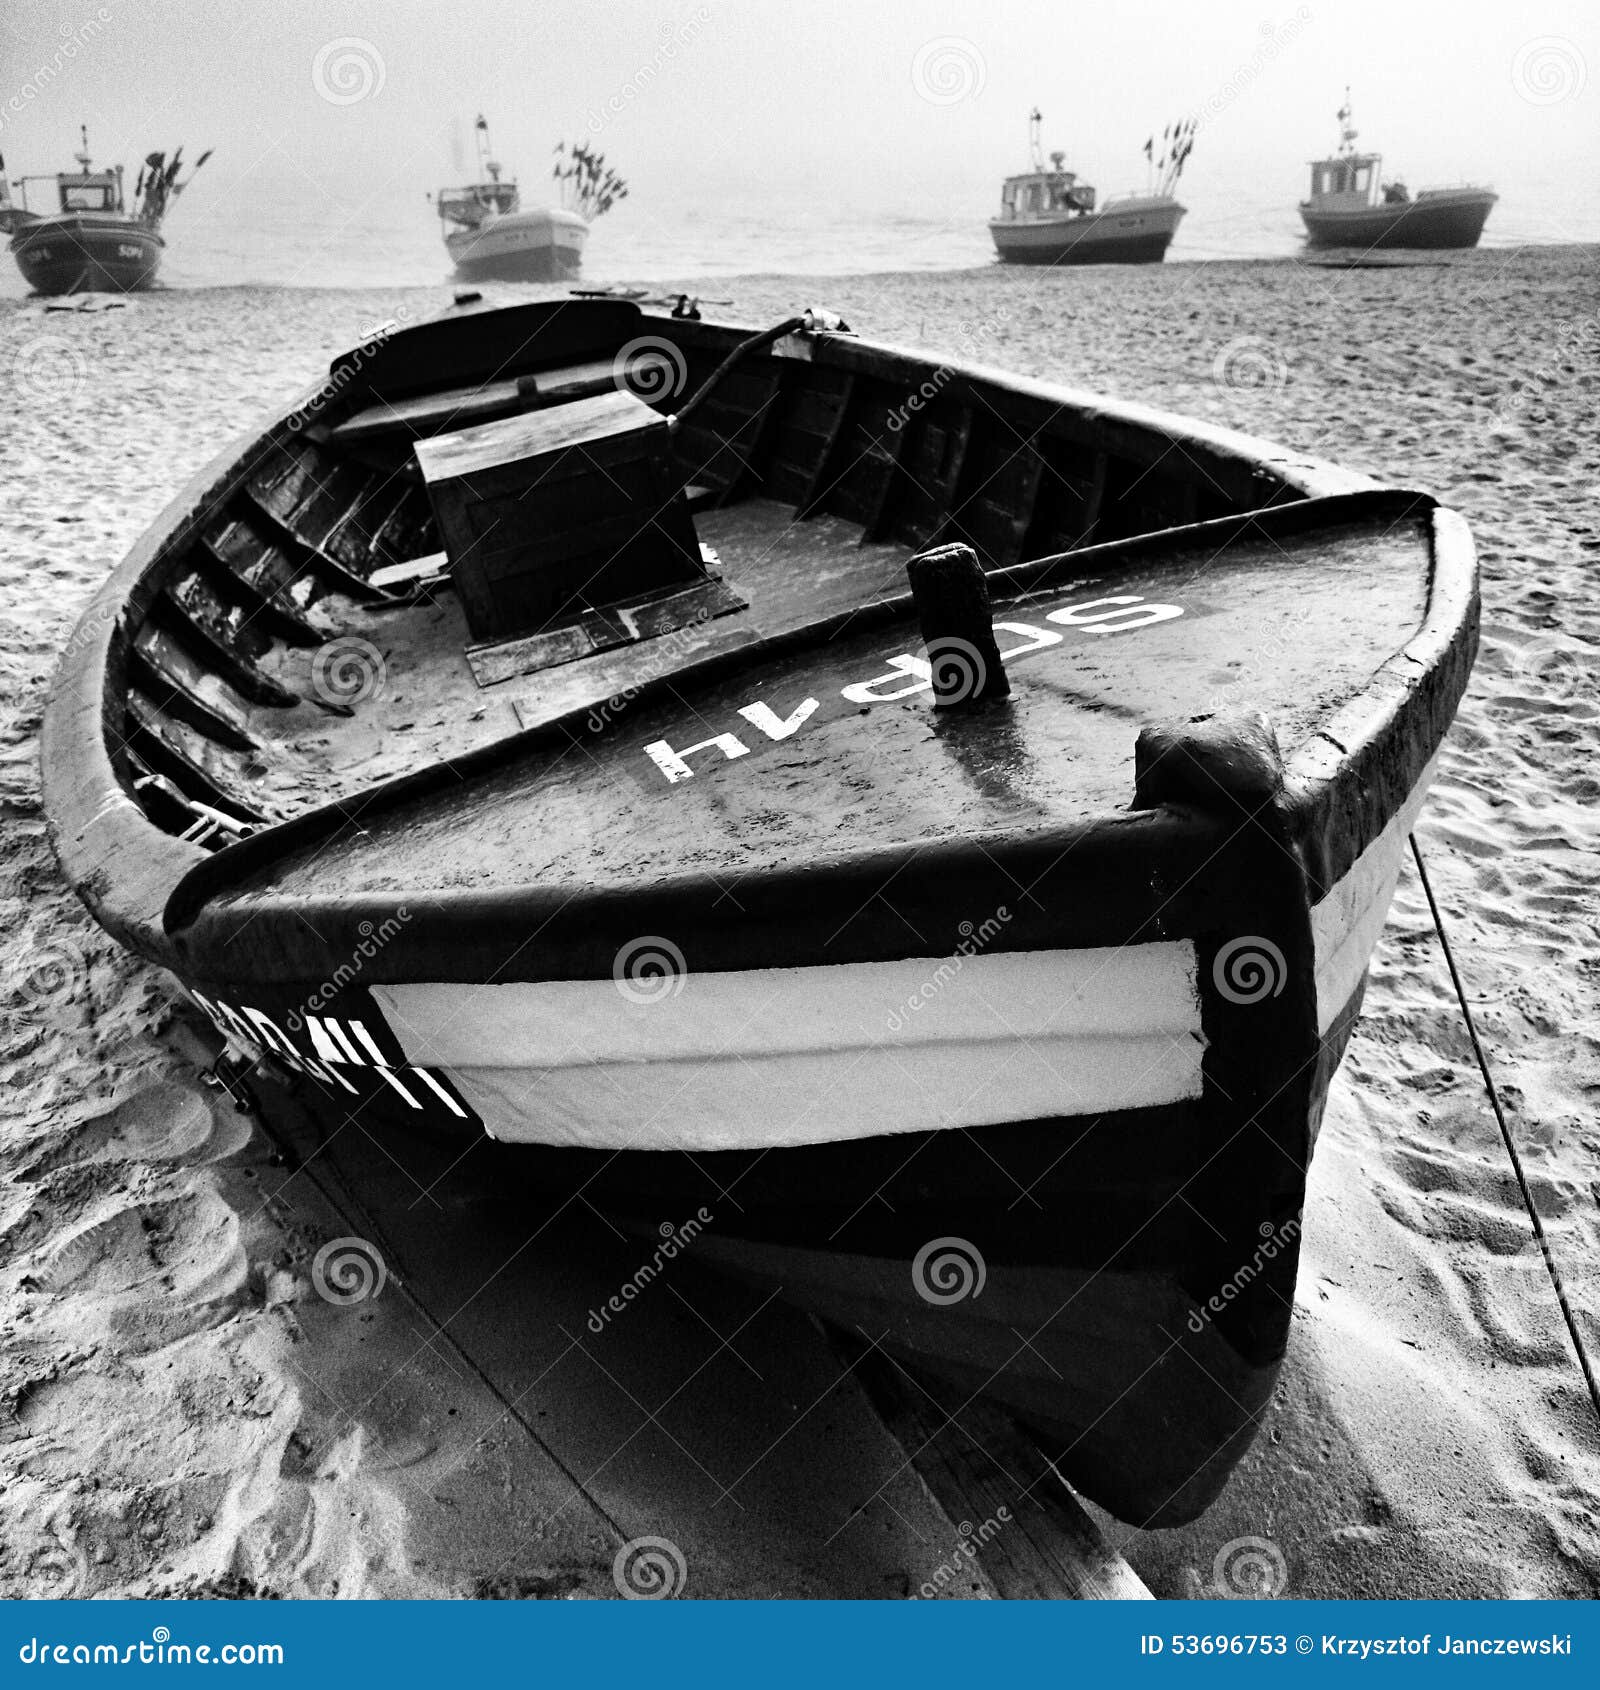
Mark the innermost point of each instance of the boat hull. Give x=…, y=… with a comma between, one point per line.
x=1434, y=220
x=87, y=254
x=523, y=246
x=1136, y=233
x=1100, y=1229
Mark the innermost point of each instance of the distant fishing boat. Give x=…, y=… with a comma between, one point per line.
x=1047, y=216
x=490, y=237
x=90, y=242
x=1352, y=206
x=927, y=825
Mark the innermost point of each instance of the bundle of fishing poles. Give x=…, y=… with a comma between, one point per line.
x=1177, y=142
x=158, y=183
x=588, y=185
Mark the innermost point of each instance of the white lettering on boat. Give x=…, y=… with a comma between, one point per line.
x=673, y=765
x=335, y=1043
x=773, y=725
x=908, y=674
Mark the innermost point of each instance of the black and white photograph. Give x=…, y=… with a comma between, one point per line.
x=800, y=803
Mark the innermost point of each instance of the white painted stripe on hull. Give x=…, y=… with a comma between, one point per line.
x=1346, y=924
x=824, y=1097
x=775, y=1056
x=768, y=1057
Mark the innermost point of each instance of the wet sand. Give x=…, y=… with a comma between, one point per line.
x=181, y=1411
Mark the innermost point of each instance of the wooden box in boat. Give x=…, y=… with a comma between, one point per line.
x=515, y=501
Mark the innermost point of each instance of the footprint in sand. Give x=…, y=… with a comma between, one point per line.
x=169, y=1123
x=153, y=1272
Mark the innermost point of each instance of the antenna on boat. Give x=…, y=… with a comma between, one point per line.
x=488, y=168
x=1035, y=149
x=83, y=157
x=1347, y=130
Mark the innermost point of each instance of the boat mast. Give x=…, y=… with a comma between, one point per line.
x=1035, y=149
x=1347, y=131
x=488, y=168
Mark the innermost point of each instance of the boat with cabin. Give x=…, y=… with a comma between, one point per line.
x=91, y=241
x=930, y=825
x=1352, y=206
x=1048, y=216
x=491, y=237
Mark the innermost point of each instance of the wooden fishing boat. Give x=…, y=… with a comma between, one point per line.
x=1352, y=206
x=92, y=242
x=490, y=236
x=929, y=827
x=1048, y=216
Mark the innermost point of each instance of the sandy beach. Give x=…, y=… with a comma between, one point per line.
x=181, y=1413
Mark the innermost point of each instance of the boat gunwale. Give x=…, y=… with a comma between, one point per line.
x=1031, y=576
x=129, y=871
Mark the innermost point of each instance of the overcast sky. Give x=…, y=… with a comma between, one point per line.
x=870, y=102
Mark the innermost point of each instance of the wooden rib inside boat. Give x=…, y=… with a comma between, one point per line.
x=535, y=730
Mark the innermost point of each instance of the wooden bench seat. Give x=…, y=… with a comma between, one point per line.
x=458, y=407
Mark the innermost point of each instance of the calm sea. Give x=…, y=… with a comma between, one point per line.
x=294, y=235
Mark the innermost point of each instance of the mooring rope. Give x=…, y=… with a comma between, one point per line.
x=1505, y=1133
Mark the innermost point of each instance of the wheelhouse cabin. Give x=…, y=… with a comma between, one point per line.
x=1347, y=181
x=81, y=190
x=1045, y=193
x=475, y=204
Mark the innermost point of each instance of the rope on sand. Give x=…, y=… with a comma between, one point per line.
x=1505, y=1134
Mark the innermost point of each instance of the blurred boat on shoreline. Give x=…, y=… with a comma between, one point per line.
x=91, y=242
x=1047, y=216
x=491, y=238
x=1352, y=206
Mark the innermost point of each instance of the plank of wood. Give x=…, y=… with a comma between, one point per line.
x=391, y=576
x=429, y=412
x=1032, y=1539
x=823, y=475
